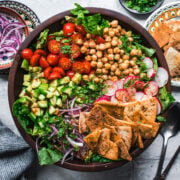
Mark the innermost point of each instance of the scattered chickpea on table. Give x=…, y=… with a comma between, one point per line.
x=109, y=59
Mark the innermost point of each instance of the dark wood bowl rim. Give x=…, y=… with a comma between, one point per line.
x=76, y=164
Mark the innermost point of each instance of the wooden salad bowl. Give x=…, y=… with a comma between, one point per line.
x=16, y=79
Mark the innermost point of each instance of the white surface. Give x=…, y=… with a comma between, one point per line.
x=143, y=167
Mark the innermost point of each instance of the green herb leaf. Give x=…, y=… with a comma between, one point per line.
x=66, y=49
x=42, y=39
x=161, y=118
x=78, y=10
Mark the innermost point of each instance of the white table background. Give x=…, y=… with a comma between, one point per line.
x=143, y=167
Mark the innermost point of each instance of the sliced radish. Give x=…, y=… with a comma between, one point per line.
x=151, y=73
x=139, y=95
x=120, y=84
x=103, y=98
x=114, y=100
x=152, y=88
x=161, y=77
x=130, y=78
x=139, y=85
x=122, y=95
x=111, y=87
x=148, y=61
x=131, y=91
x=159, y=106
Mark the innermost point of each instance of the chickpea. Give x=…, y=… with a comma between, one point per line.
x=117, y=72
x=116, y=64
x=125, y=57
x=107, y=45
x=107, y=66
x=102, y=47
x=104, y=60
x=136, y=71
x=130, y=39
x=110, y=51
x=134, y=58
x=112, y=73
x=92, y=44
x=94, y=57
x=136, y=67
x=88, y=36
x=105, y=77
x=114, y=23
x=127, y=62
x=108, y=39
x=97, y=80
x=99, y=65
x=142, y=75
x=111, y=33
x=119, y=27
x=120, y=61
x=123, y=31
x=83, y=49
x=111, y=62
x=110, y=57
x=119, y=42
x=113, y=68
x=99, y=54
x=116, y=50
x=104, y=71
x=93, y=63
x=86, y=44
x=122, y=51
x=92, y=51
x=88, y=58
x=105, y=30
x=114, y=43
x=116, y=32
x=91, y=76
x=132, y=63
x=117, y=57
x=123, y=66
x=133, y=52
x=130, y=70
x=114, y=78
x=98, y=71
x=79, y=42
x=85, y=77
x=126, y=72
x=115, y=38
x=87, y=52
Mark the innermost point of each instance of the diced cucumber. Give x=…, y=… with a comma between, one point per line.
x=60, y=89
x=24, y=99
x=56, y=111
x=64, y=80
x=51, y=89
x=41, y=124
x=27, y=78
x=44, y=81
x=67, y=90
x=25, y=83
x=37, y=69
x=53, y=101
x=25, y=64
x=77, y=78
x=71, y=84
x=36, y=83
x=22, y=93
x=92, y=86
x=42, y=97
x=54, y=83
x=35, y=93
x=35, y=105
x=36, y=111
x=43, y=104
x=32, y=116
x=29, y=89
x=43, y=88
x=52, y=110
x=64, y=97
x=79, y=100
x=59, y=102
x=56, y=93
x=49, y=94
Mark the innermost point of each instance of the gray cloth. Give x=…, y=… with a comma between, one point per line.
x=16, y=157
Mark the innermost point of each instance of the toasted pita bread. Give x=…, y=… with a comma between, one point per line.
x=139, y=141
x=92, y=139
x=135, y=133
x=82, y=122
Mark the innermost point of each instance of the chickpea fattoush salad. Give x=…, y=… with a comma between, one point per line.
x=69, y=73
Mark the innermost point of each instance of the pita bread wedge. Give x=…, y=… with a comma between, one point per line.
x=82, y=122
x=92, y=139
x=135, y=133
x=140, y=141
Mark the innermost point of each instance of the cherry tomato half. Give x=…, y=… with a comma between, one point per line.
x=43, y=62
x=47, y=72
x=65, y=63
x=59, y=70
x=75, y=51
x=53, y=46
x=80, y=29
x=76, y=37
x=40, y=52
x=54, y=75
x=52, y=59
x=68, y=29
x=99, y=40
x=27, y=53
x=87, y=67
x=34, y=61
x=78, y=66
x=70, y=74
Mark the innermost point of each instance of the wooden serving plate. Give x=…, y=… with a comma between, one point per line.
x=16, y=79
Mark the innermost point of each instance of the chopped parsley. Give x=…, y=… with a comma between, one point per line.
x=66, y=49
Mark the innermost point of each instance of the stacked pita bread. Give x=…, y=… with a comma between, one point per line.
x=114, y=128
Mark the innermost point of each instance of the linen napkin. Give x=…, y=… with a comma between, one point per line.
x=17, y=159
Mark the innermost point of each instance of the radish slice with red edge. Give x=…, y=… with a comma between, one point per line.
x=161, y=77
x=120, y=84
x=111, y=87
x=159, y=106
x=151, y=73
x=103, y=98
x=148, y=61
x=122, y=95
x=152, y=88
x=139, y=95
x=130, y=78
x=114, y=100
